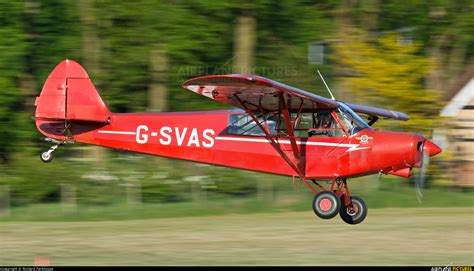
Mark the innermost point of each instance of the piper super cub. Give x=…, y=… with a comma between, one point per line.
x=276, y=129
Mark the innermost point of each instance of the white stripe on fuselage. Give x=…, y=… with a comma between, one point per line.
x=285, y=141
x=351, y=147
x=116, y=132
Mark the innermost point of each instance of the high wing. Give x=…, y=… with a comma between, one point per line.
x=256, y=93
x=378, y=112
x=261, y=94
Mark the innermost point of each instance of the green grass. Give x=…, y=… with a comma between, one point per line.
x=389, y=236
x=299, y=200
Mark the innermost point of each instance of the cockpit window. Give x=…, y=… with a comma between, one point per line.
x=313, y=124
x=324, y=125
x=241, y=123
x=350, y=120
x=308, y=124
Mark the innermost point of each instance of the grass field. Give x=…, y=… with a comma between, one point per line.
x=408, y=236
x=293, y=200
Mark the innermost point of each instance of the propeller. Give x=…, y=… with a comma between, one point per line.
x=421, y=176
x=428, y=149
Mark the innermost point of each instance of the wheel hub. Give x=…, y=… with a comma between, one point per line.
x=352, y=209
x=325, y=205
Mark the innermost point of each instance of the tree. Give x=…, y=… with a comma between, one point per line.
x=13, y=46
x=444, y=29
x=90, y=56
x=245, y=33
x=389, y=74
x=52, y=32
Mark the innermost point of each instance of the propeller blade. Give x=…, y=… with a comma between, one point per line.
x=420, y=178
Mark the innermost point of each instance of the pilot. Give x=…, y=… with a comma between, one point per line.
x=323, y=124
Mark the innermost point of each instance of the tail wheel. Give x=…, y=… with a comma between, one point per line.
x=326, y=204
x=354, y=213
x=47, y=156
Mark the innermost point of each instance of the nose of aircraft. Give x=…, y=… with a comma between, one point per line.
x=431, y=148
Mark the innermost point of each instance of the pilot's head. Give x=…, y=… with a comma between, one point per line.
x=326, y=120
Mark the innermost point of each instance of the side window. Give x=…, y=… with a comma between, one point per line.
x=240, y=123
x=303, y=123
x=325, y=125
x=312, y=124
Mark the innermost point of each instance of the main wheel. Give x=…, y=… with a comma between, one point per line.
x=46, y=156
x=326, y=204
x=354, y=213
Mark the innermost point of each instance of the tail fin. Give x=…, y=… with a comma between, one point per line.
x=68, y=96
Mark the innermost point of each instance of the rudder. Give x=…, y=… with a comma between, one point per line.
x=68, y=96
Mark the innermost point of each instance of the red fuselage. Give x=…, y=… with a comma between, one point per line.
x=203, y=137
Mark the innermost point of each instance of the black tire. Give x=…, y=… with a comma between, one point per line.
x=326, y=204
x=357, y=214
x=46, y=157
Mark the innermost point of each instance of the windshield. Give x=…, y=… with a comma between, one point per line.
x=350, y=120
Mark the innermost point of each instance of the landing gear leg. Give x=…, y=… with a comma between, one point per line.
x=354, y=210
x=355, y=213
x=327, y=203
x=47, y=154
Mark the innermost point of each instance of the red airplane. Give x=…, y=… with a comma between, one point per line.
x=276, y=129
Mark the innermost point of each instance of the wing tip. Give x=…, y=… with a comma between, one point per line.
x=389, y=114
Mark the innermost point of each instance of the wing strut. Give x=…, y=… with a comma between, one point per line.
x=289, y=127
x=275, y=145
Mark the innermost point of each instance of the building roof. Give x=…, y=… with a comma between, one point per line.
x=463, y=90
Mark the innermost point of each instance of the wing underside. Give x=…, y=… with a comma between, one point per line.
x=255, y=93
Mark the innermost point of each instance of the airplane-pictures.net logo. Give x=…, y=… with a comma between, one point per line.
x=451, y=268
